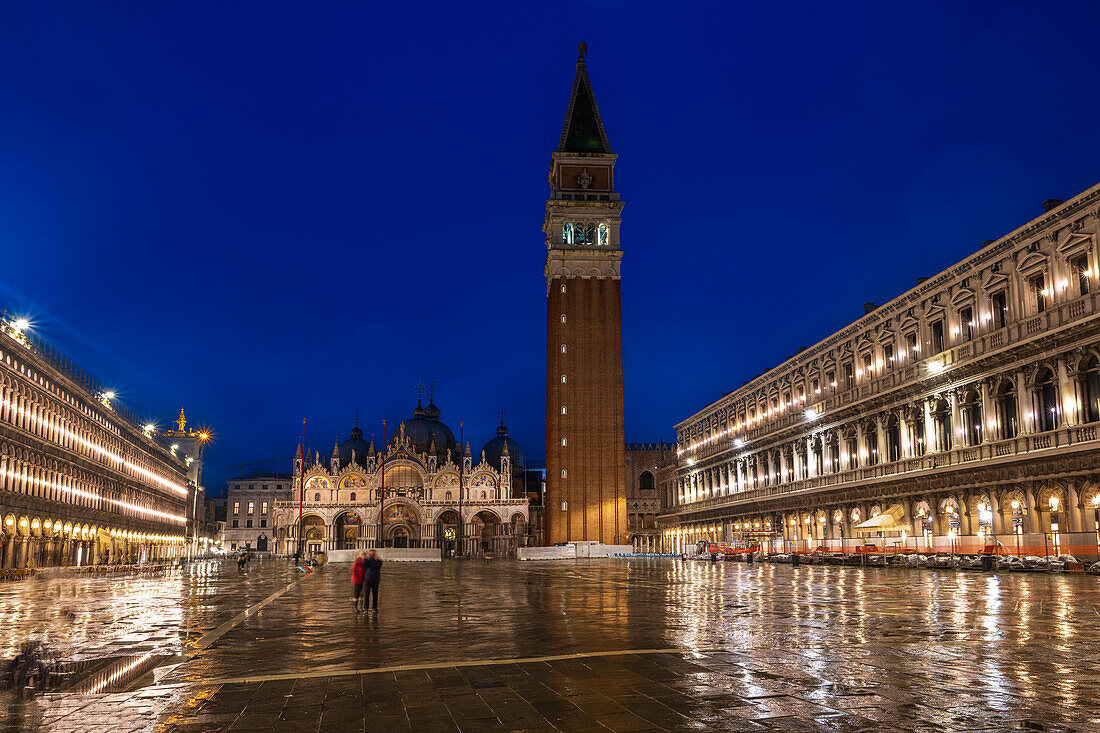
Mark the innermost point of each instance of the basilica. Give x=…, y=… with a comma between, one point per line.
x=422, y=490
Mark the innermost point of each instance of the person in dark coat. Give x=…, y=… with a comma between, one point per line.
x=357, y=571
x=372, y=574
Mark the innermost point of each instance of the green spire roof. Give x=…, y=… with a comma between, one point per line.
x=583, y=131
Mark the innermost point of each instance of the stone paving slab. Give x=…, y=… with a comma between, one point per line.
x=120, y=614
x=629, y=645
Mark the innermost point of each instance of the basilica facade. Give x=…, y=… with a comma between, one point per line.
x=418, y=491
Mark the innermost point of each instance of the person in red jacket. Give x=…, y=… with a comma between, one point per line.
x=357, y=571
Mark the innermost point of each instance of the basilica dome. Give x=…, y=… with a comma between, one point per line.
x=494, y=449
x=425, y=428
x=355, y=443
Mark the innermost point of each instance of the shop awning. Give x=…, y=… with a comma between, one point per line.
x=889, y=521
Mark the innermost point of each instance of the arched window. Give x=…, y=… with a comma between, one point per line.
x=578, y=234
x=972, y=417
x=1046, y=396
x=353, y=496
x=447, y=496
x=316, y=497
x=1090, y=383
x=605, y=235
x=941, y=419
x=918, y=439
x=872, y=445
x=1007, y=422
x=567, y=233
x=590, y=234
x=645, y=481
x=893, y=439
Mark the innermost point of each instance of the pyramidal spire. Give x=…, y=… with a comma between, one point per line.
x=583, y=131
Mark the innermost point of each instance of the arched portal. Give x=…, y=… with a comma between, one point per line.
x=347, y=531
x=402, y=526
x=313, y=534
x=448, y=532
x=487, y=530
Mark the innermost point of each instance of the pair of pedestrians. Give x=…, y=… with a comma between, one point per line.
x=366, y=572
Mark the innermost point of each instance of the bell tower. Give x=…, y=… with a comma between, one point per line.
x=585, y=442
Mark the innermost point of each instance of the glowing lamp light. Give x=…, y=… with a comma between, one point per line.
x=811, y=413
x=150, y=427
x=1016, y=504
x=9, y=521
x=109, y=394
x=935, y=367
x=21, y=324
x=738, y=443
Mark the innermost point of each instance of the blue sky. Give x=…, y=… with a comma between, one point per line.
x=270, y=211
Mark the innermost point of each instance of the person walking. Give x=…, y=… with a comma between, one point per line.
x=357, y=570
x=372, y=574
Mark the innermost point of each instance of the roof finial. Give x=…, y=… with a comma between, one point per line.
x=431, y=393
x=357, y=416
x=502, y=415
x=181, y=421
x=419, y=391
x=582, y=49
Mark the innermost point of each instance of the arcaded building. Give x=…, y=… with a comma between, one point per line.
x=965, y=407
x=644, y=462
x=585, y=461
x=82, y=479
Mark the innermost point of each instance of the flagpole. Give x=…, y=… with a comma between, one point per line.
x=461, y=486
x=382, y=493
x=301, y=487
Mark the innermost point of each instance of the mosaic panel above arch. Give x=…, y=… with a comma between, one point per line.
x=318, y=483
x=484, y=480
x=353, y=481
x=446, y=480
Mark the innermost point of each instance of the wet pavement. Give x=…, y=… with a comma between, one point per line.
x=642, y=644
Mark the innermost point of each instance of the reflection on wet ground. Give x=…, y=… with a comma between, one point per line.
x=644, y=644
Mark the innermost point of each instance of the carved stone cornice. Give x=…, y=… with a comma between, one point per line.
x=585, y=262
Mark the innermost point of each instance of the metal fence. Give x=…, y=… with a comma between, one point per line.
x=1084, y=546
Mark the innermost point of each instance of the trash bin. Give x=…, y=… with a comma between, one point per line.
x=987, y=562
